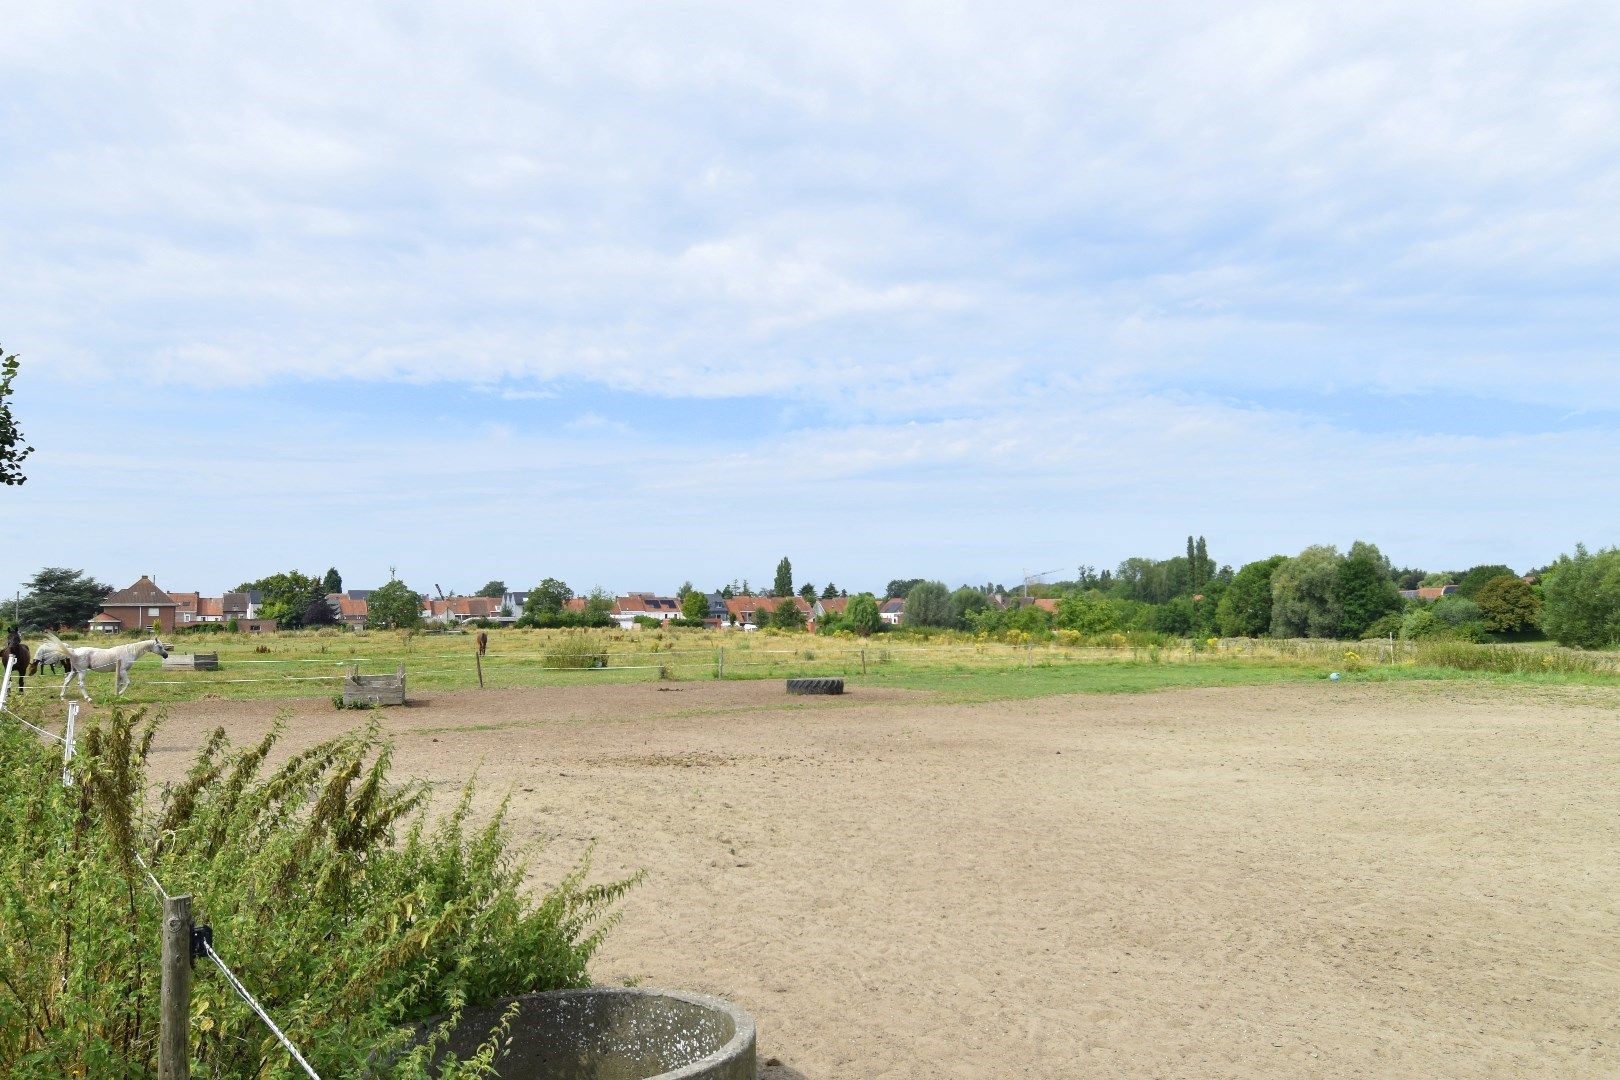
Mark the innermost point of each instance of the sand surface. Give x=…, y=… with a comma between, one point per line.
x=1308, y=880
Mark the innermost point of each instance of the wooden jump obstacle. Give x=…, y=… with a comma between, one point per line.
x=198, y=661
x=361, y=689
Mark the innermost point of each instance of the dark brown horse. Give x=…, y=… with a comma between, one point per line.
x=16, y=650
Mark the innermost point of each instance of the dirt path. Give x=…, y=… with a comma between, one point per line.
x=1290, y=881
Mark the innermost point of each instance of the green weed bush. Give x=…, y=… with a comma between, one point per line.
x=574, y=651
x=348, y=912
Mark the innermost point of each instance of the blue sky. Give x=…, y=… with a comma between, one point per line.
x=636, y=294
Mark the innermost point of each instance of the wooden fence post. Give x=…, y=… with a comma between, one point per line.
x=478, y=658
x=863, y=659
x=720, y=663
x=174, y=1003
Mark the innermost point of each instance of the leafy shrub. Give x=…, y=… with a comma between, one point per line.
x=1385, y=626
x=574, y=651
x=1581, y=599
x=347, y=934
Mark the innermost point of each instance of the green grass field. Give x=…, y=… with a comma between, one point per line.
x=312, y=663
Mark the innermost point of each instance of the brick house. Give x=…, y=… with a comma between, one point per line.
x=139, y=606
x=185, y=607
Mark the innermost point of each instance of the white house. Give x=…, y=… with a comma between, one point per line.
x=627, y=608
x=892, y=611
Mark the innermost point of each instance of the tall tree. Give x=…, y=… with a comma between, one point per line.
x=598, y=608
x=902, y=586
x=59, y=597
x=319, y=613
x=1245, y=609
x=808, y=591
x=546, y=603
x=333, y=582
x=393, y=607
x=968, y=602
x=286, y=596
x=492, y=589
x=1580, y=599
x=829, y=592
x=784, y=578
x=1366, y=589
x=1203, y=568
x=929, y=604
x=12, y=448
x=694, y=606
x=1508, y=605
x=1304, y=595
x=862, y=614
x=1473, y=581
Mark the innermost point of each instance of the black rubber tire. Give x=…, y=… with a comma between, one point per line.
x=815, y=686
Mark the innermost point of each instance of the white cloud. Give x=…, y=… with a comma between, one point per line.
x=1034, y=251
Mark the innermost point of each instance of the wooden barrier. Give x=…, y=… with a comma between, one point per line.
x=361, y=689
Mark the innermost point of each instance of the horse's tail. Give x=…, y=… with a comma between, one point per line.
x=58, y=647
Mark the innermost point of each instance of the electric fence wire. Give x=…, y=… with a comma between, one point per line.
x=34, y=727
x=242, y=992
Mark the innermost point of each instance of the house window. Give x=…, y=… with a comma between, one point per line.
x=151, y=611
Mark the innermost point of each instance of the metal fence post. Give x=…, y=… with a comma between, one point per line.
x=174, y=1002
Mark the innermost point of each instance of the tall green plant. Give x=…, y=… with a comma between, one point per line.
x=347, y=932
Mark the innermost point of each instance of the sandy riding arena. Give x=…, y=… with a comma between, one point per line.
x=1302, y=880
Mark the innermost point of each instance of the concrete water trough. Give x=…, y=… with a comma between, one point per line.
x=614, y=1033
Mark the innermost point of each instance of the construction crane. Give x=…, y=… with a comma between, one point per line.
x=1029, y=577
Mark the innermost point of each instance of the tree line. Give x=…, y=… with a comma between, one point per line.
x=1320, y=592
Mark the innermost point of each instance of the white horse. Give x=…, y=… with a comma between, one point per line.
x=119, y=658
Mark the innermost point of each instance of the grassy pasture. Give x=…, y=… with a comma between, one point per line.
x=312, y=663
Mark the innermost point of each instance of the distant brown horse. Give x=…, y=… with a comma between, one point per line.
x=483, y=643
x=17, y=650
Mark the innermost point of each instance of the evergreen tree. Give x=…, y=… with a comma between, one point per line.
x=784, y=578
x=333, y=582
x=59, y=597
